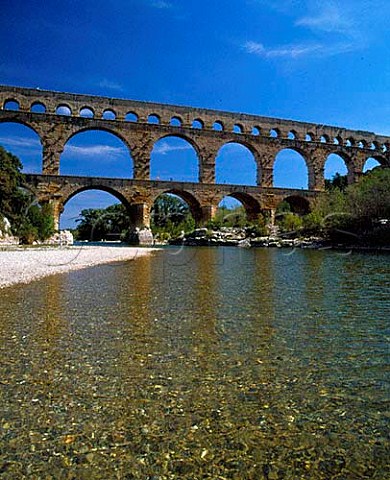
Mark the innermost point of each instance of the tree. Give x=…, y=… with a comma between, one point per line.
x=337, y=181
x=29, y=221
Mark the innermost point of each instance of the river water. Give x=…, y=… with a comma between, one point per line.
x=210, y=363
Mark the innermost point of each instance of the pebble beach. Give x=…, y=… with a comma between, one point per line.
x=28, y=264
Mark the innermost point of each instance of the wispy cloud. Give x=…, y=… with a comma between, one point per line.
x=329, y=19
x=294, y=51
x=105, y=83
x=20, y=143
x=163, y=148
x=332, y=29
x=161, y=4
x=94, y=150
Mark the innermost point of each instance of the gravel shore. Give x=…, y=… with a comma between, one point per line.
x=26, y=265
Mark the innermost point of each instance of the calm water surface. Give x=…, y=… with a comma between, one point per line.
x=208, y=364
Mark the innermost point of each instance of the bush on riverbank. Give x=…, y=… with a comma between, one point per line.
x=29, y=221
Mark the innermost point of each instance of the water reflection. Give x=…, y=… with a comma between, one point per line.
x=205, y=363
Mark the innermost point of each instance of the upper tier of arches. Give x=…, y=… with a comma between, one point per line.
x=151, y=115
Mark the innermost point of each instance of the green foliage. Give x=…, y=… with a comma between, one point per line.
x=102, y=224
x=28, y=220
x=290, y=222
x=258, y=228
x=337, y=181
x=170, y=216
x=359, y=213
x=283, y=207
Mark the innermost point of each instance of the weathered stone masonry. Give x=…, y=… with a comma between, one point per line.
x=61, y=116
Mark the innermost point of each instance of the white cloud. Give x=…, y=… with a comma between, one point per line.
x=94, y=150
x=110, y=85
x=163, y=148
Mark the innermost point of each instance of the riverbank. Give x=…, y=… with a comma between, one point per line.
x=23, y=265
x=242, y=237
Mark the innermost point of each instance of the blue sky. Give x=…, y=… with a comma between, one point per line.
x=316, y=61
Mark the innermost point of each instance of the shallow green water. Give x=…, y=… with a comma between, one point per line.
x=212, y=363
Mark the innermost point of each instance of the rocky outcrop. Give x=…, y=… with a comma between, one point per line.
x=242, y=237
x=6, y=237
x=65, y=237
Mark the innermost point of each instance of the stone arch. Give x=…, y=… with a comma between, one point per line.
x=298, y=204
x=284, y=177
x=109, y=114
x=63, y=109
x=346, y=159
x=71, y=192
x=188, y=197
x=372, y=162
x=184, y=143
x=87, y=112
x=253, y=178
x=251, y=205
x=24, y=141
x=38, y=107
x=106, y=149
x=11, y=104
x=335, y=164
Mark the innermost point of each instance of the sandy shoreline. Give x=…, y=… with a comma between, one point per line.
x=26, y=265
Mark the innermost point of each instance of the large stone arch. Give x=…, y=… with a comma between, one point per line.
x=186, y=138
x=127, y=170
x=252, y=149
x=310, y=165
x=349, y=161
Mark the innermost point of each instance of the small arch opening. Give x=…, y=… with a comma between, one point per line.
x=337, y=141
x=324, y=139
x=197, y=123
x=86, y=112
x=63, y=110
x=175, y=122
x=218, y=126
x=237, y=128
x=256, y=131
x=274, y=133
x=109, y=115
x=309, y=137
x=292, y=135
x=11, y=105
x=131, y=117
x=38, y=107
x=153, y=119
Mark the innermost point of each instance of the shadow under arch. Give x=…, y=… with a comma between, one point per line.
x=253, y=177
x=105, y=149
x=282, y=176
x=24, y=141
x=192, y=202
x=251, y=206
x=299, y=205
x=182, y=146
